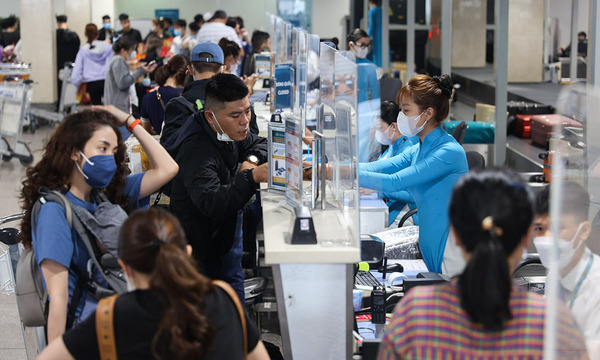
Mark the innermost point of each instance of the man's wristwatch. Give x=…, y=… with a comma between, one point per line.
x=253, y=159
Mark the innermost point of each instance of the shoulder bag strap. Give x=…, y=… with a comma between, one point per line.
x=159, y=97
x=105, y=328
x=236, y=300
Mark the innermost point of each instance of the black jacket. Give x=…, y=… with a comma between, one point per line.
x=67, y=46
x=208, y=191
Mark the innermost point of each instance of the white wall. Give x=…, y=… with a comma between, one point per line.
x=252, y=11
x=328, y=19
x=561, y=10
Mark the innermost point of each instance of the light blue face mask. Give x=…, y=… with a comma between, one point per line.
x=176, y=32
x=106, y=26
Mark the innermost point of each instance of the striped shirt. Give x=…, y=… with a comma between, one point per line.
x=429, y=323
x=214, y=31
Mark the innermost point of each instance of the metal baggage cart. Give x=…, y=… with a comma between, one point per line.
x=67, y=102
x=15, y=98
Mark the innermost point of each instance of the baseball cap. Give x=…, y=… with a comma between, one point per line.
x=210, y=48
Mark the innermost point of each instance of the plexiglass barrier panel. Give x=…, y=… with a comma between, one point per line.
x=567, y=232
x=300, y=59
x=369, y=121
x=326, y=112
x=313, y=90
x=345, y=180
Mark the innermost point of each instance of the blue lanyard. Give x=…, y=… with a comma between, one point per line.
x=581, y=279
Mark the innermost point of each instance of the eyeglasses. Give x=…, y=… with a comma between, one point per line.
x=362, y=46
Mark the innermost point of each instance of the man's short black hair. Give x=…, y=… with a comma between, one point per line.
x=61, y=18
x=575, y=201
x=194, y=26
x=8, y=22
x=105, y=17
x=180, y=23
x=582, y=33
x=258, y=39
x=123, y=17
x=223, y=88
x=198, y=19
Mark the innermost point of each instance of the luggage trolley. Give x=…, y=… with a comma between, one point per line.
x=15, y=98
x=67, y=102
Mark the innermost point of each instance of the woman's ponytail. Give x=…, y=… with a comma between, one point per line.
x=489, y=304
x=184, y=326
x=491, y=212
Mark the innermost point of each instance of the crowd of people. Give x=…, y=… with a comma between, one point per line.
x=190, y=84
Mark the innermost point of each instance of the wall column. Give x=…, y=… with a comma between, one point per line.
x=38, y=47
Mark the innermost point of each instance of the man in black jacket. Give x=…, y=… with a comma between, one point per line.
x=219, y=172
x=67, y=46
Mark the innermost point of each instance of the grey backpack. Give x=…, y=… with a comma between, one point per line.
x=32, y=298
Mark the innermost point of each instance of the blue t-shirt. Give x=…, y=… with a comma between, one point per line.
x=54, y=239
x=152, y=108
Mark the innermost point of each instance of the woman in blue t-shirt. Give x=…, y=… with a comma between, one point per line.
x=170, y=79
x=86, y=152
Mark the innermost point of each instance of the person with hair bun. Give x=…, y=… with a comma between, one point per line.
x=427, y=170
x=170, y=78
x=480, y=314
x=171, y=312
x=91, y=64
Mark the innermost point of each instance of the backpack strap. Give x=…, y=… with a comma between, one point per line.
x=105, y=328
x=236, y=300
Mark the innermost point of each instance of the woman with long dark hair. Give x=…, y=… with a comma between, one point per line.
x=85, y=153
x=481, y=314
x=172, y=312
x=90, y=65
x=171, y=79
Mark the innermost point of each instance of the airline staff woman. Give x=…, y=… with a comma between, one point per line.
x=428, y=171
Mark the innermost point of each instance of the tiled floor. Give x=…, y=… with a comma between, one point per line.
x=12, y=344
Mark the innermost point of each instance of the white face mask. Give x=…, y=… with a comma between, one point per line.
x=361, y=52
x=382, y=137
x=407, y=125
x=233, y=69
x=132, y=55
x=221, y=136
x=566, y=249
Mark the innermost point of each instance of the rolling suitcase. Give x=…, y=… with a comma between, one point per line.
x=523, y=126
x=543, y=125
x=524, y=108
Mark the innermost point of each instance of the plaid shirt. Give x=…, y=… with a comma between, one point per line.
x=429, y=323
